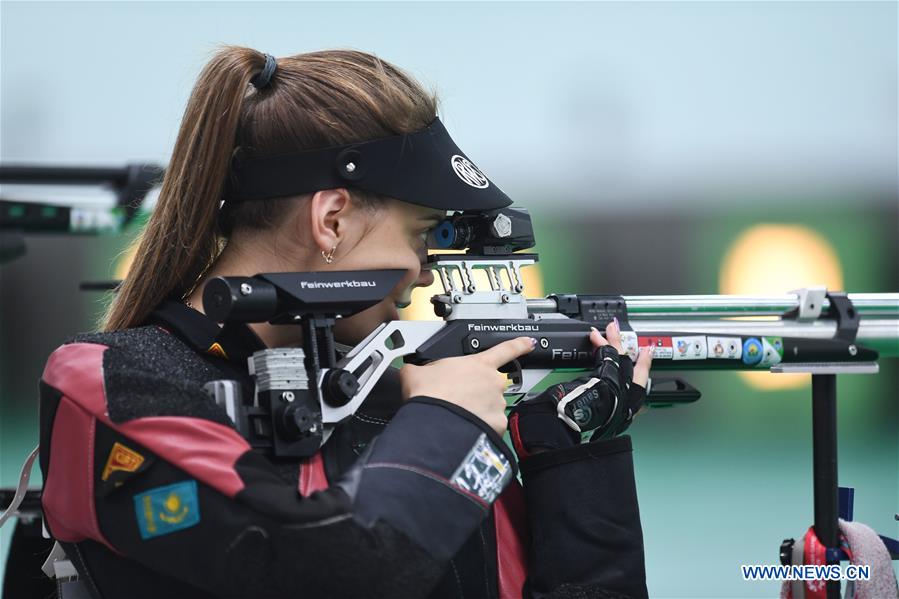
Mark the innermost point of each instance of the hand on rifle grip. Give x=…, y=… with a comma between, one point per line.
x=471, y=382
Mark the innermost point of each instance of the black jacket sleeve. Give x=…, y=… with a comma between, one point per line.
x=386, y=529
x=586, y=537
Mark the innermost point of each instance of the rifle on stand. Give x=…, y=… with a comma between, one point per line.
x=303, y=393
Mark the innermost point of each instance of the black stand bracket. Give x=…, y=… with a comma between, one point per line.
x=824, y=431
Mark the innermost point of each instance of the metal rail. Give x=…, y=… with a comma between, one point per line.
x=724, y=306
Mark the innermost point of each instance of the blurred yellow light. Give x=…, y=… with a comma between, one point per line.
x=422, y=309
x=776, y=259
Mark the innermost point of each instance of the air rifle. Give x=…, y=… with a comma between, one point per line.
x=303, y=393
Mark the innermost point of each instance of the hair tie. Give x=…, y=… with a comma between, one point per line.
x=262, y=79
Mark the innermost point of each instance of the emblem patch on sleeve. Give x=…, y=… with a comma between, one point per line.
x=122, y=463
x=484, y=471
x=167, y=509
x=121, y=459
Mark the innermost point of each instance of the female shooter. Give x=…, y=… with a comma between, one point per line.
x=325, y=161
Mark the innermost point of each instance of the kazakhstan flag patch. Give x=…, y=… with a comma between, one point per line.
x=167, y=509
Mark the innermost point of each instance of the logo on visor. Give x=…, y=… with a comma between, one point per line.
x=469, y=172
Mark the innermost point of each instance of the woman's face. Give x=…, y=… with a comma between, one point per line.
x=391, y=236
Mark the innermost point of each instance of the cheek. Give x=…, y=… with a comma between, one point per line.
x=384, y=248
x=393, y=251
x=389, y=244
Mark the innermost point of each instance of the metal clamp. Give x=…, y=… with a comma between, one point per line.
x=846, y=316
x=811, y=303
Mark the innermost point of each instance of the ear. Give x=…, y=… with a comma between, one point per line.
x=328, y=214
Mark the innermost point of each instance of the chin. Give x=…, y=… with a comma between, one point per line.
x=355, y=328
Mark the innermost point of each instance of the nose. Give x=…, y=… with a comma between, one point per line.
x=425, y=278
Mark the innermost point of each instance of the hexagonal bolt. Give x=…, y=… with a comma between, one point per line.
x=287, y=396
x=457, y=298
x=501, y=226
x=506, y=298
x=853, y=350
x=245, y=289
x=350, y=167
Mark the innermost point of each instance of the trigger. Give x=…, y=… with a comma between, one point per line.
x=511, y=368
x=523, y=380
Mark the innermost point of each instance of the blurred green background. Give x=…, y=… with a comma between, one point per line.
x=645, y=138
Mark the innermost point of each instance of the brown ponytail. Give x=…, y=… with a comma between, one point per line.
x=314, y=100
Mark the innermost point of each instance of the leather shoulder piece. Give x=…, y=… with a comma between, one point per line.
x=149, y=372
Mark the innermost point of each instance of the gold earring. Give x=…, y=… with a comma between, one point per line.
x=329, y=257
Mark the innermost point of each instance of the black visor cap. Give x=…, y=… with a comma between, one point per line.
x=425, y=168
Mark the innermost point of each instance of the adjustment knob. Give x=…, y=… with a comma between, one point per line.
x=340, y=386
x=298, y=421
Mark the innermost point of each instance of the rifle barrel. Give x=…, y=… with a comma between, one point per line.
x=755, y=316
x=724, y=306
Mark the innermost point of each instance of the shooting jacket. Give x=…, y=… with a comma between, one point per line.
x=153, y=493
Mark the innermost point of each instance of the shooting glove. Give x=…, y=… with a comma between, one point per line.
x=597, y=406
